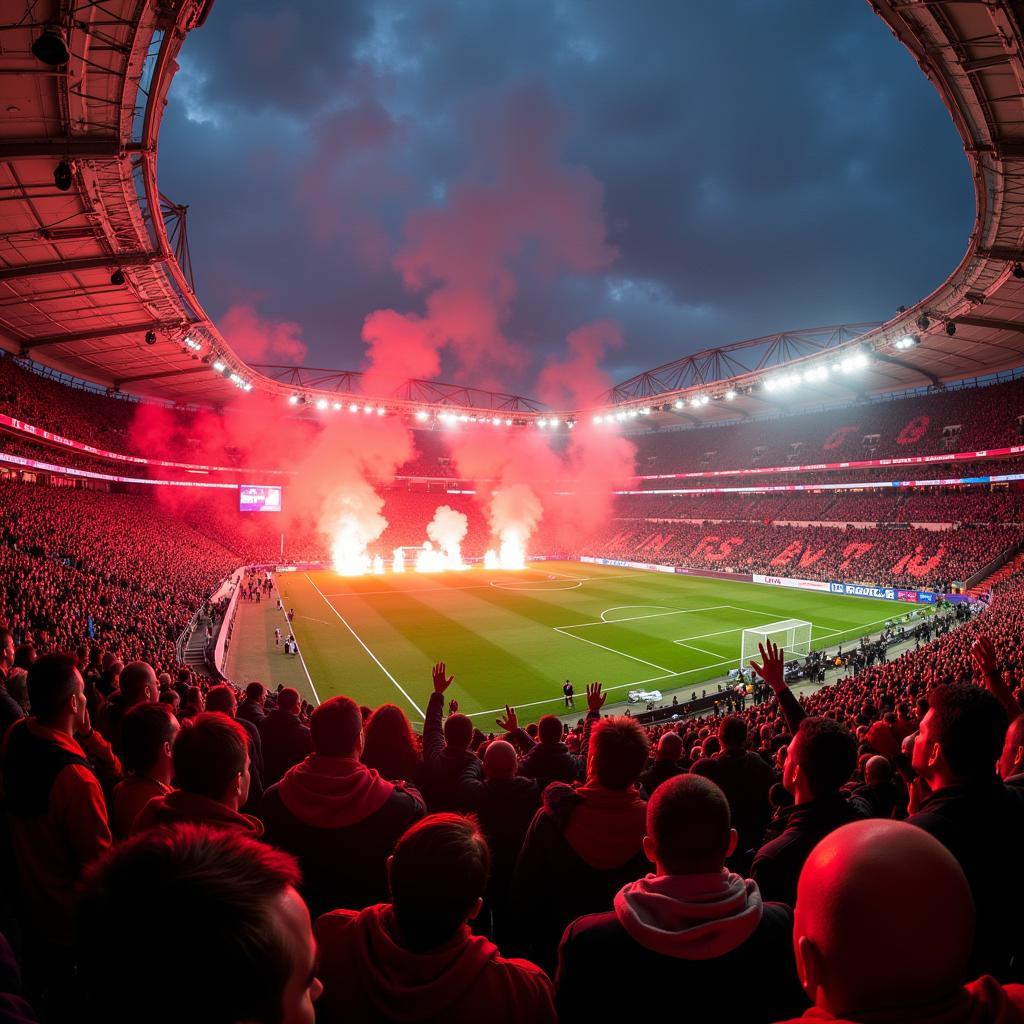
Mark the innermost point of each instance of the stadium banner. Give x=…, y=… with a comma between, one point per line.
x=884, y=593
x=619, y=563
x=715, y=574
x=86, y=474
x=796, y=584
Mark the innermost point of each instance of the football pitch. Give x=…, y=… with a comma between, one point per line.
x=516, y=637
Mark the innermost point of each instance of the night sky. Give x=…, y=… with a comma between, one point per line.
x=503, y=172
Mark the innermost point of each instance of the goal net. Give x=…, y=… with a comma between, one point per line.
x=793, y=637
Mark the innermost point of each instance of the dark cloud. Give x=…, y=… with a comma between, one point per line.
x=765, y=164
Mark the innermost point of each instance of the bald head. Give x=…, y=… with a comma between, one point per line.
x=884, y=919
x=500, y=761
x=1011, y=760
x=877, y=770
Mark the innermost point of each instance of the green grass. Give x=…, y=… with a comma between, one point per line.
x=516, y=637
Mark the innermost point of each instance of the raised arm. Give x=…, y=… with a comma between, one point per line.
x=772, y=671
x=983, y=654
x=433, y=737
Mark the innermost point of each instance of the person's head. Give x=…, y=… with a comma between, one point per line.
x=689, y=828
x=1011, y=760
x=229, y=901
x=437, y=876
x=25, y=654
x=222, y=698
x=256, y=693
x=389, y=744
x=884, y=920
x=7, y=649
x=961, y=736
x=549, y=729
x=732, y=733
x=877, y=770
x=172, y=699
x=670, y=747
x=821, y=757
x=336, y=728
x=288, y=701
x=138, y=683
x=618, y=752
x=458, y=732
x=147, y=740
x=211, y=758
x=56, y=692
x=500, y=761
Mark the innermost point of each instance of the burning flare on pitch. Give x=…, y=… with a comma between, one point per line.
x=511, y=553
x=446, y=530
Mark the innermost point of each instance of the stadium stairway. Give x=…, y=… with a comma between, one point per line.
x=195, y=649
x=1012, y=567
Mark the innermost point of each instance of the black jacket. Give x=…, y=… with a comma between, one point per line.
x=745, y=778
x=659, y=772
x=777, y=865
x=548, y=762
x=342, y=867
x=286, y=741
x=982, y=825
x=553, y=884
x=444, y=770
x=759, y=976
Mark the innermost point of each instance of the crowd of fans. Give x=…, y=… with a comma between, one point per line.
x=880, y=556
x=847, y=855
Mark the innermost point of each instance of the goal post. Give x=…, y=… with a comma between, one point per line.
x=793, y=637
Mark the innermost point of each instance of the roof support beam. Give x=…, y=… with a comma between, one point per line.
x=165, y=373
x=992, y=323
x=124, y=259
x=884, y=357
x=28, y=344
x=83, y=147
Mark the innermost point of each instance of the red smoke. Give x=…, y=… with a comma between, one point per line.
x=257, y=340
x=516, y=197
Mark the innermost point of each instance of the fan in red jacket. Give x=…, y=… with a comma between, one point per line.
x=415, y=959
x=883, y=932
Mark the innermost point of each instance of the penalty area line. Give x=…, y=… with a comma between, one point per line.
x=359, y=640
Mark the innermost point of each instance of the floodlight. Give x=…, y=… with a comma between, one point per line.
x=150, y=337
x=1018, y=271
x=730, y=395
x=336, y=406
x=923, y=323
x=51, y=46
x=679, y=403
x=908, y=342
x=321, y=403
x=219, y=366
x=951, y=328
x=117, y=277
x=62, y=176
x=703, y=399
x=421, y=415
x=293, y=399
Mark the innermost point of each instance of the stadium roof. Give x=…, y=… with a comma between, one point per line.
x=93, y=257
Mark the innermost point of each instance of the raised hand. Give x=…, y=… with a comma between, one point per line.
x=510, y=722
x=441, y=683
x=772, y=667
x=595, y=698
x=983, y=654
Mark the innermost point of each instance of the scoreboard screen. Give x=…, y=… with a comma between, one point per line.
x=253, y=498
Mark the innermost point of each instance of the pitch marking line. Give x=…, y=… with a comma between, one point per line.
x=593, y=643
x=475, y=586
x=634, y=618
x=302, y=660
x=359, y=639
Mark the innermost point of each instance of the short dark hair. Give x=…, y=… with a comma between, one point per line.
x=51, y=680
x=439, y=871
x=458, y=731
x=335, y=727
x=688, y=820
x=288, y=699
x=134, y=679
x=185, y=888
x=209, y=751
x=618, y=749
x=733, y=732
x=222, y=698
x=255, y=691
x=145, y=728
x=828, y=754
x=970, y=726
x=549, y=729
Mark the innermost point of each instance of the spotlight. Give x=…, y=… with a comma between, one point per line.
x=679, y=403
x=951, y=328
x=380, y=411
x=321, y=403
x=599, y=419
x=421, y=415
x=336, y=406
x=51, y=47
x=150, y=337
x=293, y=399
x=704, y=399
x=910, y=341
x=1018, y=271
x=730, y=395
x=219, y=366
x=62, y=176
x=117, y=277
x=353, y=408
x=923, y=323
